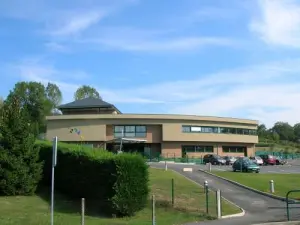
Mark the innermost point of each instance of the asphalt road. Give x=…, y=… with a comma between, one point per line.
x=284, y=169
x=258, y=208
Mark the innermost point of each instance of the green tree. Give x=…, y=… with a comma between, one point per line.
x=284, y=130
x=20, y=170
x=297, y=132
x=86, y=91
x=1, y=102
x=54, y=95
x=39, y=101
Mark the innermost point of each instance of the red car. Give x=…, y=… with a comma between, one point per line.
x=268, y=159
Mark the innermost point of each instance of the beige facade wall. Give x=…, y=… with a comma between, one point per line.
x=91, y=130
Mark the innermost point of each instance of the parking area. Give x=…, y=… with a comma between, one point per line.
x=281, y=169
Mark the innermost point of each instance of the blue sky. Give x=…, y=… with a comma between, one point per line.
x=221, y=58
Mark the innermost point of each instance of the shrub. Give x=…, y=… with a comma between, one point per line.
x=116, y=184
x=20, y=169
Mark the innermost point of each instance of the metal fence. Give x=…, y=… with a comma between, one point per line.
x=281, y=154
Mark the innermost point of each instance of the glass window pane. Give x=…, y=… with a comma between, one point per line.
x=186, y=129
x=118, y=135
x=129, y=129
x=140, y=129
x=144, y=134
x=129, y=135
x=195, y=129
x=118, y=129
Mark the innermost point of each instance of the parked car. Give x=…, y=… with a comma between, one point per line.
x=229, y=160
x=268, y=159
x=280, y=160
x=214, y=159
x=244, y=164
x=258, y=160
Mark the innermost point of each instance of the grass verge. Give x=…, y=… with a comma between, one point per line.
x=282, y=182
x=189, y=206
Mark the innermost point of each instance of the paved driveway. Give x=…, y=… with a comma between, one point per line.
x=258, y=208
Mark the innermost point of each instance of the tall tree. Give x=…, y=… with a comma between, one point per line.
x=32, y=96
x=297, y=132
x=20, y=169
x=1, y=102
x=284, y=130
x=86, y=91
x=54, y=95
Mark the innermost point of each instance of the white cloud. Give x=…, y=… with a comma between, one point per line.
x=278, y=22
x=77, y=22
x=269, y=92
x=54, y=46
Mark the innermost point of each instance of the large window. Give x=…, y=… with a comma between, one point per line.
x=234, y=149
x=221, y=130
x=130, y=131
x=197, y=148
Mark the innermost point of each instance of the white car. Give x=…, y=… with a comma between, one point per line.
x=257, y=160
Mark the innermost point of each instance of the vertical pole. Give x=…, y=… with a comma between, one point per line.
x=209, y=167
x=219, y=209
x=54, y=161
x=173, y=193
x=272, y=190
x=166, y=165
x=206, y=195
x=153, y=210
x=287, y=208
x=82, y=210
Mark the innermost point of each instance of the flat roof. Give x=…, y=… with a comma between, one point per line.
x=153, y=117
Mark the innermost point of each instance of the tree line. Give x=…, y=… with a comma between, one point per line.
x=42, y=100
x=281, y=131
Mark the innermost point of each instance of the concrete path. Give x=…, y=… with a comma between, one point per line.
x=258, y=208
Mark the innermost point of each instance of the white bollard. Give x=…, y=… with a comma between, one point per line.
x=205, y=185
x=209, y=167
x=166, y=166
x=219, y=208
x=272, y=190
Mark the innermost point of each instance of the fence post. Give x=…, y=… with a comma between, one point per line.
x=272, y=190
x=82, y=210
x=153, y=210
x=206, y=194
x=172, y=192
x=219, y=208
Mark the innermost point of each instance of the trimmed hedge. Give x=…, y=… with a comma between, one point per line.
x=117, y=184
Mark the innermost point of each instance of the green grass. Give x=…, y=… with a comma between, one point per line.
x=189, y=206
x=282, y=182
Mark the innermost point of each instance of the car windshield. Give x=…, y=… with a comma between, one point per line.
x=257, y=157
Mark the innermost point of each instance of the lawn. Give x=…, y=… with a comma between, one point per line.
x=282, y=182
x=189, y=206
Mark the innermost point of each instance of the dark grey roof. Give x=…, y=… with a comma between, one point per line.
x=86, y=103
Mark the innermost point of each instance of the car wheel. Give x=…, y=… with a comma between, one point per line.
x=257, y=171
x=234, y=170
x=214, y=163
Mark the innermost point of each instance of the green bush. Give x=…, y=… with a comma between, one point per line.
x=117, y=184
x=20, y=169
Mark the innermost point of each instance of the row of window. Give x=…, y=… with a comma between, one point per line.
x=218, y=130
x=130, y=131
x=210, y=149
